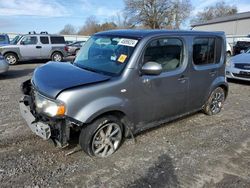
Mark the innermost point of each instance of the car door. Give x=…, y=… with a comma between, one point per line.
x=45, y=47
x=204, y=69
x=164, y=96
x=29, y=47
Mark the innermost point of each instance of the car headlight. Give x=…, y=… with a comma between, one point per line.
x=49, y=107
x=229, y=63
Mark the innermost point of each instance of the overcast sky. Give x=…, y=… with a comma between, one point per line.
x=22, y=16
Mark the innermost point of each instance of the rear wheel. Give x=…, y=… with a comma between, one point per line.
x=215, y=102
x=57, y=56
x=101, y=138
x=11, y=58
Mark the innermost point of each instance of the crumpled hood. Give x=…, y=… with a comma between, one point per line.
x=241, y=58
x=54, y=77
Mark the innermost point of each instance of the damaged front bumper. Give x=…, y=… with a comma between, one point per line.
x=39, y=128
x=56, y=129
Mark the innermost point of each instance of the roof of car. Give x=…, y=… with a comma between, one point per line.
x=141, y=33
x=38, y=34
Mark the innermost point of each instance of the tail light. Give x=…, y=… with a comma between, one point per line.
x=66, y=48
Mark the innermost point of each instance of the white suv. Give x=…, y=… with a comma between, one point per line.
x=35, y=46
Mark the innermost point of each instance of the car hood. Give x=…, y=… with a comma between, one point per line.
x=54, y=77
x=241, y=58
x=8, y=46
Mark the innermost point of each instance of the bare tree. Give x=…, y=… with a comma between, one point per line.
x=157, y=13
x=180, y=12
x=68, y=30
x=218, y=10
x=108, y=26
x=90, y=27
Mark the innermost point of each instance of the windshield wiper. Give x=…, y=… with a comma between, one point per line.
x=89, y=69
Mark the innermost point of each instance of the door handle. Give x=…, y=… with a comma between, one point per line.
x=38, y=46
x=182, y=79
x=213, y=72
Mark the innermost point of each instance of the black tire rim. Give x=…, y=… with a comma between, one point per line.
x=106, y=140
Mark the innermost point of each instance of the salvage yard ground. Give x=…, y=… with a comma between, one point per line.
x=196, y=151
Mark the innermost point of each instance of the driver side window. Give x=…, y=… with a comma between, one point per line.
x=165, y=51
x=29, y=40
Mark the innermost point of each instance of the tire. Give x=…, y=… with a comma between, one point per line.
x=57, y=56
x=11, y=58
x=215, y=102
x=102, y=137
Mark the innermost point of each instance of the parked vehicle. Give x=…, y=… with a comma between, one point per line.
x=241, y=46
x=238, y=67
x=68, y=42
x=123, y=82
x=74, y=48
x=4, y=66
x=4, y=39
x=35, y=46
x=229, y=50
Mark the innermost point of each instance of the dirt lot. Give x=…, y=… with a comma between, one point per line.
x=196, y=151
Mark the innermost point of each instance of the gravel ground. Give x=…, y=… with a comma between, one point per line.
x=196, y=151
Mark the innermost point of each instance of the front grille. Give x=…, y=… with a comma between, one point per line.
x=242, y=66
x=242, y=75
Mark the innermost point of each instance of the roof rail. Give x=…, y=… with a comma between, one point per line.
x=44, y=32
x=32, y=32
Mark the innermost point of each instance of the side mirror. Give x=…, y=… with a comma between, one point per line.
x=151, y=68
x=22, y=43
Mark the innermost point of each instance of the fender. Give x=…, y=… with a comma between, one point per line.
x=11, y=50
x=100, y=106
x=58, y=49
x=219, y=81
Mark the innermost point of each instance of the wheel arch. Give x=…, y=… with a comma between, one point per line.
x=128, y=126
x=56, y=51
x=219, y=82
x=11, y=52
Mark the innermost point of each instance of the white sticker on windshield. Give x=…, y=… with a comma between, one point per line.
x=128, y=42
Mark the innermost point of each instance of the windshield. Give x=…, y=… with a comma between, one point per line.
x=248, y=51
x=106, y=54
x=16, y=39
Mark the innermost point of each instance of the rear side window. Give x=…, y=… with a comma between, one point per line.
x=204, y=51
x=44, y=40
x=166, y=51
x=207, y=50
x=57, y=40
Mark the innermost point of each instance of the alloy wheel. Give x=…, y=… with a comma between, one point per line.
x=217, y=102
x=11, y=59
x=106, y=140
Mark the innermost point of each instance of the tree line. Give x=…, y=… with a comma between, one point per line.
x=153, y=14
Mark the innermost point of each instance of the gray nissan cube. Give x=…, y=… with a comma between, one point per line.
x=123, y=82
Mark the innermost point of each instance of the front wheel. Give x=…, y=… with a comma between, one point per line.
x=11, y=58
x=101, y=138
x=57, y=56
x=215, y=102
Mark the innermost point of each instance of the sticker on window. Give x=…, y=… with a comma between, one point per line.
x=128, y=42
x=122, y=58
x=113, y=58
